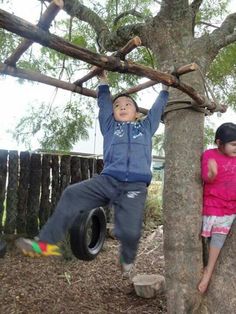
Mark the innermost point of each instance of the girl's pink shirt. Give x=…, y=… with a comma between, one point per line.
x=219, y=194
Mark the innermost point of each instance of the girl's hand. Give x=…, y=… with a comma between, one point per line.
x=212, y=169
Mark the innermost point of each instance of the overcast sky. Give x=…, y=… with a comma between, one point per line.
x=16, y=97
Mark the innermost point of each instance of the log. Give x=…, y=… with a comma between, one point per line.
x=11, y=202
x=41, y=78
x=3, y=177
x=148, y=286
x=45, y=204
x=44, y=22
x=23, y=192
x=84, y=168
x=65, y=172
x=23, y=28
x=55, y=182
x=32, y=226
x=75, y=168
x=132, y=44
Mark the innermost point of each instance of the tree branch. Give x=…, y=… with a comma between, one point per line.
x=19, y=26
x=106, y=40
x=44, y=22
x=195, y=5
x=225, y=34
x=174, y=8
x=41, y=78
x=130, y=12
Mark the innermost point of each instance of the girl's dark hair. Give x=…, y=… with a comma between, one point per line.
x=128, y=96
x=226, y=133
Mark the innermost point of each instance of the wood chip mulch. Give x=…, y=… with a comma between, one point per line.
x=57, y=286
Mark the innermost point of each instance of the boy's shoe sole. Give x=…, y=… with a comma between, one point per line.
x=27, y=248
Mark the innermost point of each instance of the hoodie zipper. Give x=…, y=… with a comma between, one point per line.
x=128, y=154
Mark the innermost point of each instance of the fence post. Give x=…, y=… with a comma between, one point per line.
x=3, y=176
x=34, y=194
x=11, y=203
x=45, y=205
x=23, y=192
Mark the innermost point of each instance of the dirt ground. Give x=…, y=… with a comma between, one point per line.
x=57, y=286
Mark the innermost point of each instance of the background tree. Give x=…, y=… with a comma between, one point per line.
x=174, y=34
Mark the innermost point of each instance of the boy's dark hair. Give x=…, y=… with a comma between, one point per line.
x=128, y=96
x=226, y=133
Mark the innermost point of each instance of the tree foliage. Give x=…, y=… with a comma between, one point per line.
x=115, y=14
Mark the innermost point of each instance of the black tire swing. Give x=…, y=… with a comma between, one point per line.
x=87, y=234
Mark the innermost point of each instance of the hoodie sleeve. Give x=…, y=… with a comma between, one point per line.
x=156, y=111
x=104, y=101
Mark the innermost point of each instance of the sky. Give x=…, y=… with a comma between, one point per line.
x=17, y=97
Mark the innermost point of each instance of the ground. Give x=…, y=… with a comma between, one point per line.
x=57, y=286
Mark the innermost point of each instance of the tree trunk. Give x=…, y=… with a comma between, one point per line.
x=182, y=194
x=221, y=292
x=182, y=208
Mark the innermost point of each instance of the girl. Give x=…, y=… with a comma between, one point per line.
x=219, y=195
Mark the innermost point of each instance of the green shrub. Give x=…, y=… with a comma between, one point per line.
x=153, y=206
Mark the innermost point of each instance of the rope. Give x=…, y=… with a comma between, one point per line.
x=207, y=87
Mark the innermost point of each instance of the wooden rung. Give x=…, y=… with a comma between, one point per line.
x=187, y=68
x=92, y=73
x=45, y=21
x=139, y=87
x=132, y=44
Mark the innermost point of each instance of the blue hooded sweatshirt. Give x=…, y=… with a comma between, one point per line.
x=127, y=146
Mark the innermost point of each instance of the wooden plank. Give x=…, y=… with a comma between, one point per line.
x=3, y=176
x=45, y=204
x=32, y=226
x=65, y=172
x=23, y=192
x=11, y=203
x=75, y=169
x=55, y=182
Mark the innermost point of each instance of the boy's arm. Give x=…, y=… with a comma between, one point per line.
x=157, y=109
x=104, y=102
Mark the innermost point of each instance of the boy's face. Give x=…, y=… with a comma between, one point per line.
x=124, y=109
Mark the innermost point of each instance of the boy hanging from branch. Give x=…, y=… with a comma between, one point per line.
x=123, y=182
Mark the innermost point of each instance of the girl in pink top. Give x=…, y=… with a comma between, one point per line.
x=219, y=195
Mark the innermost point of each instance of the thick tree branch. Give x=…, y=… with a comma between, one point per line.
x=130, y=12
x=108, y=41
x=174, y=9
x=195, y=5
x=225, y=34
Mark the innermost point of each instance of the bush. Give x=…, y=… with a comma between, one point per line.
x=153, y=206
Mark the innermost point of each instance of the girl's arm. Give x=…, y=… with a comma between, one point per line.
x=209, y=168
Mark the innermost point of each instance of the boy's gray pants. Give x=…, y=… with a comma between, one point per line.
x=128, y=199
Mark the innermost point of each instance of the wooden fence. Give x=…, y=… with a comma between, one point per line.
x=31, y=185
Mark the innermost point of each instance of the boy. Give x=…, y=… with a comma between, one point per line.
x=123, y=182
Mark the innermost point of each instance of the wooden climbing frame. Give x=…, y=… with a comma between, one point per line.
x=116, y=62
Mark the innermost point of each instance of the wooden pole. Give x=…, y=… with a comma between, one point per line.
x=44, y=23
